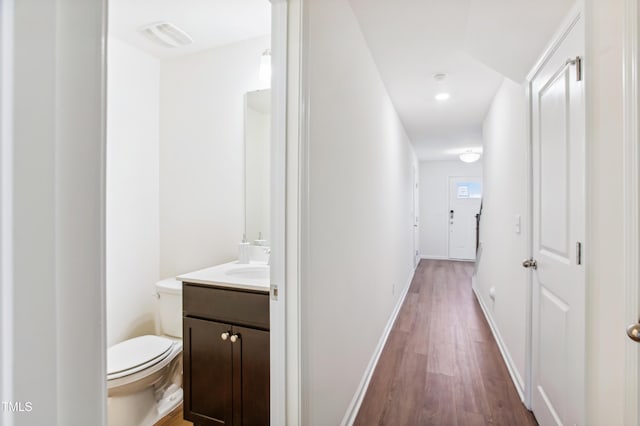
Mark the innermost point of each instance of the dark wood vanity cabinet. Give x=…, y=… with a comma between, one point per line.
x=226, y=356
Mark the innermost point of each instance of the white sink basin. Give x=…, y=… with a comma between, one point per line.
x=248, y=276
x=256, y=272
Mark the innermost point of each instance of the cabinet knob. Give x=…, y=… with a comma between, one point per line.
x=235, y=338
x=225, y=336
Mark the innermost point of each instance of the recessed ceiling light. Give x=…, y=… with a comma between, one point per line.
x=442, y=96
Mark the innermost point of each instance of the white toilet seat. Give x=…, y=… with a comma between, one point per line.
x=137, y=354
x=141, y=370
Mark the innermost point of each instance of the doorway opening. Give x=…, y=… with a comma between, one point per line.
x=195, y=158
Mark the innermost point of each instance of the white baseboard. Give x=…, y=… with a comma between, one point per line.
x=429, y=257
x=356, y=402
x=515, y=377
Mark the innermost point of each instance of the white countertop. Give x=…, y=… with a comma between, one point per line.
x=252, y=276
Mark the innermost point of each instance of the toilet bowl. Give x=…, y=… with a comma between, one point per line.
x=144, y=374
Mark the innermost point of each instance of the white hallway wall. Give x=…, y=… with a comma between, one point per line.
x=434, y=203
x=133, y=224
x=201, y=154
x=359, y=229
x=505, y=197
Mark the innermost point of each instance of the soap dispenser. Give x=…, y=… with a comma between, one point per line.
x=244, y=256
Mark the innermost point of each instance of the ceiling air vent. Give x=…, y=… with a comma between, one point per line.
x=166, y=34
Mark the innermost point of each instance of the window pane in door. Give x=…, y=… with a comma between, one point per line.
x=469, y=190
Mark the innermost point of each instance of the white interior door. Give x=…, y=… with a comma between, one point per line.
x=558, y=303
x=465, y=195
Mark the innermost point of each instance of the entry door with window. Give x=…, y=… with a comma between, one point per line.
x=558, y=305
x=465, y=195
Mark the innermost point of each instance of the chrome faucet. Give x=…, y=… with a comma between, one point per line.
x=267, y=251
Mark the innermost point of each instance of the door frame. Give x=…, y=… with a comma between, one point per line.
x=6, y=205
x=416, y=215
x=278, y=300
x=631, y=224
x=578, y=10
x=8, y=328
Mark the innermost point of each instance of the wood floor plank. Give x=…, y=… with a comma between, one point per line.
x=175, y=418
x=407, y=316
x=441, y=365
x=409, y=390
x=439, y=404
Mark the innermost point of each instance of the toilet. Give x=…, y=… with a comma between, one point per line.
x=144, y=374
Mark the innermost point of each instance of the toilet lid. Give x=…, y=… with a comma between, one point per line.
x=134, y=353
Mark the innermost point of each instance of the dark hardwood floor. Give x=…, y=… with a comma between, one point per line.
x=441, y=365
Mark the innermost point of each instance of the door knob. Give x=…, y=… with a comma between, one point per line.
x=235, y=338
x=530, y=263
x=225, y=335
x=633, y=331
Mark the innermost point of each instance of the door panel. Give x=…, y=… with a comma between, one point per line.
x=553, y=357
x=252, y=353
x=554, y=105
x=558, y=303
x=207, y=372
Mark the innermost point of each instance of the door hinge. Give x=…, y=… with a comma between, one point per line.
x=578, y=63
x=274, y=292
x=578, y=253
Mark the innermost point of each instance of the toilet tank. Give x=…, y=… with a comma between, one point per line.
x=169, y=307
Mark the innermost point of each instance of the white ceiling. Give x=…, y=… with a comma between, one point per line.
x=210, y=23
x=475, y=42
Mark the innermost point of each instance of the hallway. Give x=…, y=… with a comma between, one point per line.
x=441, y=365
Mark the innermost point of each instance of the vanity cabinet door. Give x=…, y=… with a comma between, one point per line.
x=251, y=385
x=208, y=372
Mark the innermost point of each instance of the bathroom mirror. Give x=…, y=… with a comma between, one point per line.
x=257, y=162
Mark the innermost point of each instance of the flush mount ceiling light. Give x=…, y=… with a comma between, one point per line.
x=166, y=34
x=469, y=156
x=442, y=96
